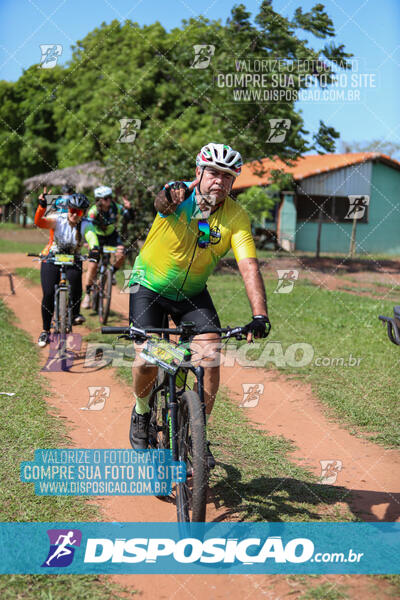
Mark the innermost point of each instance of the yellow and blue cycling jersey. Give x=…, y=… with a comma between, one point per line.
x=171, y=262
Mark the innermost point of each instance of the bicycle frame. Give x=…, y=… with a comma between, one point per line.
x=62, y=285
x=101, y=298
x=172, y=402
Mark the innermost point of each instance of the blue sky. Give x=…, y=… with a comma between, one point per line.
x=369, y=29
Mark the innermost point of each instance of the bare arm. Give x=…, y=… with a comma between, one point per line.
x=250, y=272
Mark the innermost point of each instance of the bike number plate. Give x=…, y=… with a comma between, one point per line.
x=64, y=259
x=164, y=354
x=109, y=249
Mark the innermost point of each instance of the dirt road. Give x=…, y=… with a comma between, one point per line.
x=369, y=472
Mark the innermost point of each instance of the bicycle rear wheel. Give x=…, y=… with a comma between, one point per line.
x=105, y=296
x=191, y=495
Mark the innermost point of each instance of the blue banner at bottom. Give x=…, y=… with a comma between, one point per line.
x=200, y=548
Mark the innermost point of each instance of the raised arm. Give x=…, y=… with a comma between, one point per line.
x=40, y=220
x=169, y=198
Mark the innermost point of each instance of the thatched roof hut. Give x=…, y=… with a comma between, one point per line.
x=81, y=177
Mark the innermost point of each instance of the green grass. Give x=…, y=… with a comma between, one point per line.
x=335, y=324
x=32, y=276
x=373, y=291
x=342, y=587
x=23, y=247
x=26, y=425
x=254, y=479
x=10, y=227
x=298, y=254
x=325, y=591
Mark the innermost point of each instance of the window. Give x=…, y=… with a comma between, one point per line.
x=334, y=209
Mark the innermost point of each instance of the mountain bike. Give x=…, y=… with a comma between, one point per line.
x=101, y=291
x=177, y=419
x=393, y=326
x=62, y=315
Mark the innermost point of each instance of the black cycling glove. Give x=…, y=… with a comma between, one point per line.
x=260, y=326
x=178, y=185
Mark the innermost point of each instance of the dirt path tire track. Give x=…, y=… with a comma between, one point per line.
x=370, y=472
x=108, y=429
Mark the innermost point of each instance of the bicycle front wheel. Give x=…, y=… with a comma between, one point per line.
x=62, y=312
x=94, y=297
x=105, y=297
x=159, y=426
x=191, y=496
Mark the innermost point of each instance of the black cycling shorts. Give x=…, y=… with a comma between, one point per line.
x=147, y=309
x=110, y=240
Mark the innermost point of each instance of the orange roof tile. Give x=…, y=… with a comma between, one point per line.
x=305, y=166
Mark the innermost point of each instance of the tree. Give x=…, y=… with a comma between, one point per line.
x=259, y=202
x=382, y=146
x=53, y=118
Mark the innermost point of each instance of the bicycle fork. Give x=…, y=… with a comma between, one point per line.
x=172, y=406
x=173, y=416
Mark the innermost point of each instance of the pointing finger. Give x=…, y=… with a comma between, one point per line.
x=194, y=183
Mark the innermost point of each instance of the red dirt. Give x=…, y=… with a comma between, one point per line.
x=286, y=408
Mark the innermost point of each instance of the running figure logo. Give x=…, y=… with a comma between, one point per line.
x=357, y=206
x=129, y=129
x=62, y=542
x=61, y=352
x=251, y=394
x=203, y=54
x=330, y=470
x=50, y=54
x=139, y=277
x=97, y=397
x=286, y=279
x=279, y=129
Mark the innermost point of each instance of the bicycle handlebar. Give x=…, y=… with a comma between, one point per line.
x=392, y=329
x=47, y=257
x=133, y=332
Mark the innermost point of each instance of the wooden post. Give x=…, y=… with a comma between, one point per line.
x=319, y=232
x=353, y=238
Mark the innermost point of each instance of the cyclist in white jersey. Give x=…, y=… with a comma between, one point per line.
x=68, y=239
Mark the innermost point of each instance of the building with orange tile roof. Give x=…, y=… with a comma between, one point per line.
x=323, y=184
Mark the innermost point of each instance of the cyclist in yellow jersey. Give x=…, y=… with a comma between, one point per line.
x=196, y=225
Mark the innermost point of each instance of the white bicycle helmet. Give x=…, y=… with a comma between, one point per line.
x=102, y=192
x=221, y=157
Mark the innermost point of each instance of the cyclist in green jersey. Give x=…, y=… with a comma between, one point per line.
x=197, y=223
x=101, y=231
